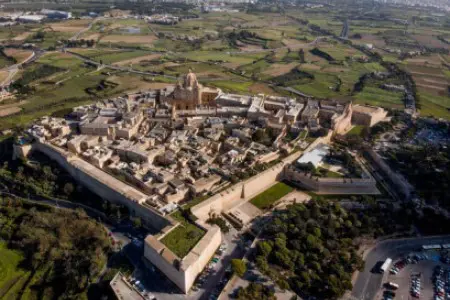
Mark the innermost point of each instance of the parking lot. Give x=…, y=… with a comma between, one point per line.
x=417, y=275
x=369, y=283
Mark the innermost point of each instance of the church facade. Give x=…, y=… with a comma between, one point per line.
x=190, y=94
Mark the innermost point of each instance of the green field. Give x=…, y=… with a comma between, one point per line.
x=271, y=195
x=432, y=105
x=11, y=275
x=356, y=130
x=184, y=237
x=379, y=97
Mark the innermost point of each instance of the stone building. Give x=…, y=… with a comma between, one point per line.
x=367, y=115
x=189, y=94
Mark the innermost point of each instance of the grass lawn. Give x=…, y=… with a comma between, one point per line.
x=356, y=130
x=271, y=195
x=10, y=273
x=184, y=237
x=330, y=174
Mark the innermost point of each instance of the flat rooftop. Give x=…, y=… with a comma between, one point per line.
x=315, y=156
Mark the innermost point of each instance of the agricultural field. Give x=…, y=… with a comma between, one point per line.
x=250, y=52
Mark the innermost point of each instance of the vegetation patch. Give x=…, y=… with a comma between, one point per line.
x=357, y=130
x=322, y=54
x=63, y=250
x=271, y=195
x=184, y=237
x=293, y=77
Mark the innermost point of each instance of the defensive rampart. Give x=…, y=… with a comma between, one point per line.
x=183, y=271
x=104, y=185
x=331, y=185
x=244, y=191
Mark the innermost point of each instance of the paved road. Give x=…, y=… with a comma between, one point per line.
x=345, y=30
x=12, y=70
x=367, y=284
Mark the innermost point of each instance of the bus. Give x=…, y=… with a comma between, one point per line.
x=392, y=285
x=445, y=246
x=431, y=247
x=385, y=265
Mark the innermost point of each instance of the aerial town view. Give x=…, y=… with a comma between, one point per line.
x=236, y=149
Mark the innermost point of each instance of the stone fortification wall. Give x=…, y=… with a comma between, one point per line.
x=201, y=254
x=403, y=187
x=242, y=191
x=331, y=185
x=165, y=260
x=104, y=186
x=183, y=272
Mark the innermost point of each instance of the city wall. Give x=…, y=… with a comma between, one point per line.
x=331, y=185
x=403, y=187
x=244, y=191
x=183, y=272
x=80, y=171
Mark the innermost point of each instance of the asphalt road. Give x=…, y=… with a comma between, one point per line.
x=368, y=283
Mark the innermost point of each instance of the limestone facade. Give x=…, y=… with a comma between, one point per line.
x=367, y=115
x=189, y=94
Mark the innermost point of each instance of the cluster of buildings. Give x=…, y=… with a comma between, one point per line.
x=165, y=19
x=30, y=17
x=153, y=150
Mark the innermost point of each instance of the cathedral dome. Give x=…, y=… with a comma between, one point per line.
x=190, y=80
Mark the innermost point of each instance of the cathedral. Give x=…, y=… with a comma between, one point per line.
x=189, y=94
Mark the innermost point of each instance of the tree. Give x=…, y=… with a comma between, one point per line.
x=262, y=264
x=264, y=248
x=283, y=284
x=68, y=188
x=239, y=267
x=137, y=222
x=301, y=56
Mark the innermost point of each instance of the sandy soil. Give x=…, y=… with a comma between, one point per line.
x=443, y=83
x=22, y=36
x=18, y=54
x=6, y=111
x=280, y=69
x=3, y=75
x=432, y=61
x=137, y=59
x=261, y=88
x=428, y=74
x=93, y=36
x=293, y=44
x=431, y=87
x=371, y=39
x=297, y=196
x=430, y=40
x=131, y=39
x=62, y=28
x=247, y=47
